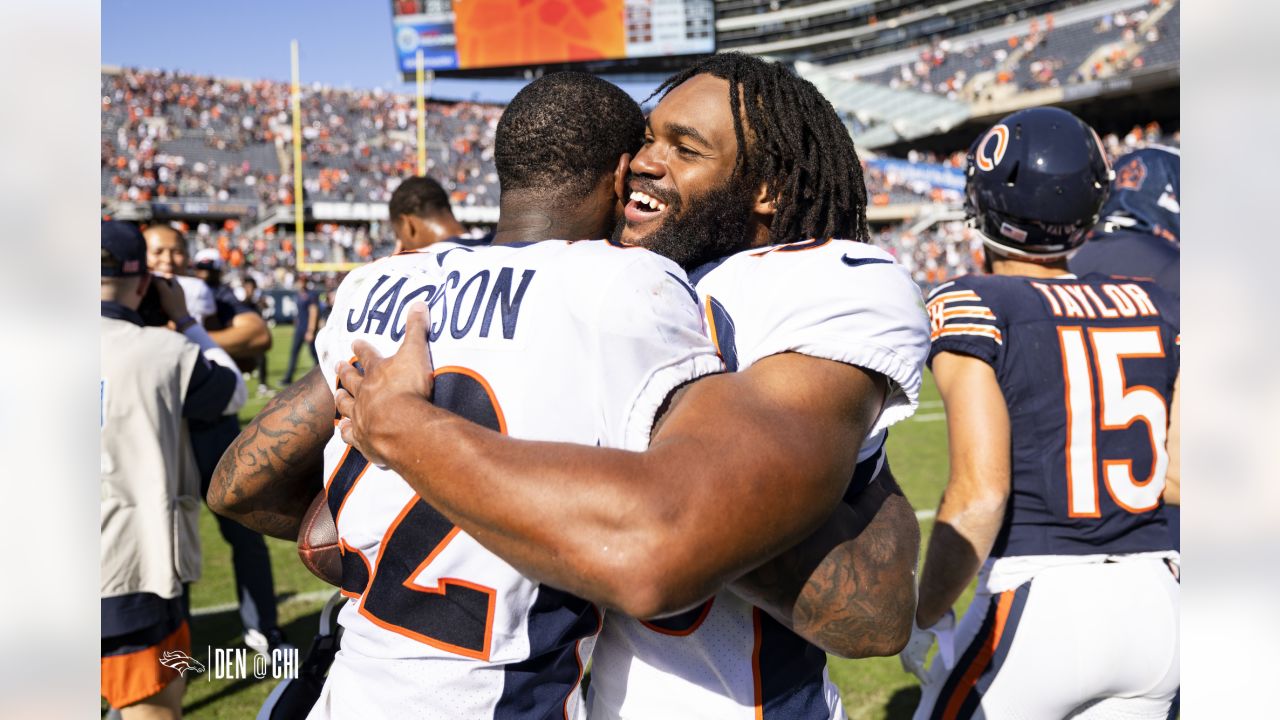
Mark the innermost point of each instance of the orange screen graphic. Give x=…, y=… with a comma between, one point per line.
x=495, y=33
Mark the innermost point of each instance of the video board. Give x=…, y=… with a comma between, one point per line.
x=471, y=35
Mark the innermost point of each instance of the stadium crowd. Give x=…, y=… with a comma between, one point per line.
x=169, y=134
x=1049, y=54
x=934, y=255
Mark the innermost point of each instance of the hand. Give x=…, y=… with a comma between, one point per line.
x=917, y=650
x=172, y=300
x=310, y=337
x=365, y=395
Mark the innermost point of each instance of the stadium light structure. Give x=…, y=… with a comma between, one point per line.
x=424, y=78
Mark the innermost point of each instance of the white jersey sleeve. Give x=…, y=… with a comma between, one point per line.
x=651, y=328
x=333, y=341
x=200, y=301
x=838, y=300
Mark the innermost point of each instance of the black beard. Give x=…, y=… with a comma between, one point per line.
x=715, y=225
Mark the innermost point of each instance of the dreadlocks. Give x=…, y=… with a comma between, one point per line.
x=797, y=143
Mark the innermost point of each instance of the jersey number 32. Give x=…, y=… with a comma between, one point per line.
x=455, y=615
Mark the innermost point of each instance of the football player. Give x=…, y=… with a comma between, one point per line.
x=420, y=214
x=244, y=335
x=1138, y=236
x=827, y=338
x=1059, y=393
x=573, y=341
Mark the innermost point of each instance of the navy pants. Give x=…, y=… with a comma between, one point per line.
x=299, y=339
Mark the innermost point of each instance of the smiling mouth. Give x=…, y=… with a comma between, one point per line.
x=647, y=203
x=642, y=207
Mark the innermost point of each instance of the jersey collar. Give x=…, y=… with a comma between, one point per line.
x=116, y=311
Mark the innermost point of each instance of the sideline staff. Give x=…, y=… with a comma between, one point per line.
x=153, y=380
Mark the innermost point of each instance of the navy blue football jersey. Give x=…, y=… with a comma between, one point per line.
x=1087, y=367
x=1131, y=254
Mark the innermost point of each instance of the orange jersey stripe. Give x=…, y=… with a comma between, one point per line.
x=971, y=675
x=969, y=311
x=954, y=296
x=982, y=330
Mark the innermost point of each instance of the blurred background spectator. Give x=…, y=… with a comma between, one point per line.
x=305, y=326
x=244, y=335
x=154, y=381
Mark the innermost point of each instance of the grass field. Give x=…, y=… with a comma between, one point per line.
x=875, y=688
x=213, y=599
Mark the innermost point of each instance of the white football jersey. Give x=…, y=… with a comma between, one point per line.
x=573, y=342
x=837, y=300
x=200, y=301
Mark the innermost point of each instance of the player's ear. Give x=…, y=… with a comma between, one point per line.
x=144, y=282
x=765, y=203
x=620, y=175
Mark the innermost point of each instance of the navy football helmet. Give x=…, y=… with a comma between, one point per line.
x=1035, y=183
x=1144, y=196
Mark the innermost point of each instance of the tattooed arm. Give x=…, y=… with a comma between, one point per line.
x=271, y=473
x=850, y=587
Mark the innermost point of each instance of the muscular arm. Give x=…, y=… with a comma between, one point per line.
x=744, y=465
x=273, y=470
x=1173, y=476
x=849, y=588
x=973, y=504
x=247, y=337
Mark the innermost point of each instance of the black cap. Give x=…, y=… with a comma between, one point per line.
x=124, y=250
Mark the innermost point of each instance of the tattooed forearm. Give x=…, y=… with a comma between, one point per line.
x=862, y=597
x=269, y=475
x=850, y=587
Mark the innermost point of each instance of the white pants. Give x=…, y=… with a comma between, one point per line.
x=1079, y=641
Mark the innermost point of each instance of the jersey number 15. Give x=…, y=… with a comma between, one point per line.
x=1119, y=407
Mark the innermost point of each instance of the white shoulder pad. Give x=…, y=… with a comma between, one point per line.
x=200, y=300
x=838, y=300
x=333, y=343
x=650, y=328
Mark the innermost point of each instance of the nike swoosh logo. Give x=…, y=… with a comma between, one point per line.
x=855, y=262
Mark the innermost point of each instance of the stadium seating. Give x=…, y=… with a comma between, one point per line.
x=934, y=254
x=1165, y=49
x=739, y=8
x=173, y=135
x=1034, y=53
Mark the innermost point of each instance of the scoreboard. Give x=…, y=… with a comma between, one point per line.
x=470, y=35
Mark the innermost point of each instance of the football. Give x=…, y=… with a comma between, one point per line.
x=318, y=542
